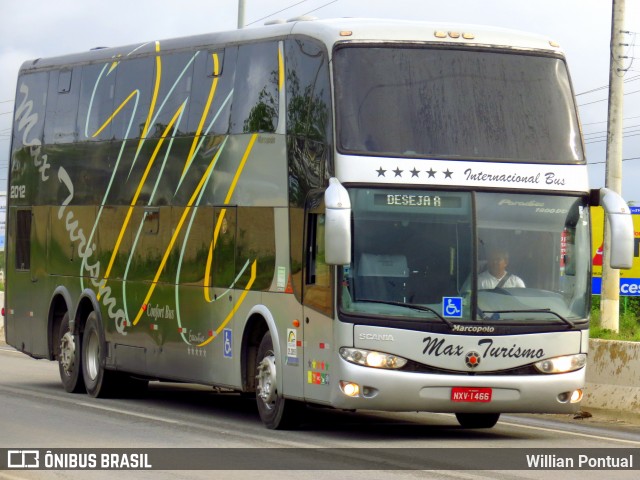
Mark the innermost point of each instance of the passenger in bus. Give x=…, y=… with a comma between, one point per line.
x=496, y=274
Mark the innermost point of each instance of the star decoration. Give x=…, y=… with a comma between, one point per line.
x=447, y=174
x=431, y=172
x=414, y=172
x=381, y=172
x=398, y=172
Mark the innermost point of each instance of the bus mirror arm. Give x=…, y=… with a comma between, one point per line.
x=621, y=227
x=337, y=224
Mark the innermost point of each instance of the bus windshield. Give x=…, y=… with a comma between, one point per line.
x=412, y=101
x=520, y=258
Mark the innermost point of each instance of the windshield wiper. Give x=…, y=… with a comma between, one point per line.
x=533, y=310
x=420, y=308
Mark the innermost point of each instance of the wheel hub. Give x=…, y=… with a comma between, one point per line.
x=267, y=380
x=67, y=352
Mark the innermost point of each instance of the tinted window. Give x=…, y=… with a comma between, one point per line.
x=308, y=90
x=31, y=100
x=255, y=103
x=407, y=101
x=134, y=89
x=23, y=239
x=256, y=242
x=175, y=90
x=96, y=102
x=211, y=94
x=62, y=106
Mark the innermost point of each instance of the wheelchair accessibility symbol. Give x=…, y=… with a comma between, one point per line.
x=452, y=307
x=228, y=343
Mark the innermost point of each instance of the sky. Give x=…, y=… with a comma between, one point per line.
x=32, y=29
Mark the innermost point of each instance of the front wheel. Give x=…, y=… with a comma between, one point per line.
x=275, y=411
x=98, y=381
x=477, y=420
x=70, y=358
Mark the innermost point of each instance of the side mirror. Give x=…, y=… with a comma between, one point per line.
x=621, y=227
x=337, y=224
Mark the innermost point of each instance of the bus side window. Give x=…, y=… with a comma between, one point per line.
x=308, y=90
x=255, y=102
x=317, y=289
x=23, y=240
x=175, y=91
x=133, y=93
x=62, y=106
x=97, y=90
x=210, y=98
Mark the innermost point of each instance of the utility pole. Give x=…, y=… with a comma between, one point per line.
x=241, y=14
x=610, y=295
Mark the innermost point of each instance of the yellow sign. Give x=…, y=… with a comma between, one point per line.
x=629, y=279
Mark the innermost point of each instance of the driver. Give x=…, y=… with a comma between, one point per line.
x=496, y=274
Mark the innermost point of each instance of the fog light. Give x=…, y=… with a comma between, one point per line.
x=350, y=389
x=576, y=396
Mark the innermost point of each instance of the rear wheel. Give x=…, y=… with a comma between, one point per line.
x=477, y=420
x=275, y=411
x=70, y=358
x=98, y=381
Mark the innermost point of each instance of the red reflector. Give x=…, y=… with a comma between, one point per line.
x=3, y=311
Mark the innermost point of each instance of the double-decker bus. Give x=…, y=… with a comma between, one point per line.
x=308, y=211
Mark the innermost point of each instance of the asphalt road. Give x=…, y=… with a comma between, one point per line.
x=36, y=413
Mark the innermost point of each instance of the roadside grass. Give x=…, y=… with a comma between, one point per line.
x=629, y=324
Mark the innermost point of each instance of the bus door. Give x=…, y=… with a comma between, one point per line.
x=317, y=307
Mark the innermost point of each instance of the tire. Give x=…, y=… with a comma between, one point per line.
x=70, y=358
x=477, y=420
x=99, y=382
x=276, y=412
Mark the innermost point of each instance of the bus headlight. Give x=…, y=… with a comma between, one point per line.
x=565, y=364
x=369, y=358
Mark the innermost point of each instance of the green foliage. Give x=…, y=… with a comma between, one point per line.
x=629, y=324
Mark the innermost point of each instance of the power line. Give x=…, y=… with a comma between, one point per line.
x=325, y=5
x=624, y=160
x=605, y=138
x=605, y=99
x=275, y=13
x=631, y=79
x=601, y=132
x=291, y=6
x=604, y=121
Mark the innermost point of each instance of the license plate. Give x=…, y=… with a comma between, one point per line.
x=470, y=394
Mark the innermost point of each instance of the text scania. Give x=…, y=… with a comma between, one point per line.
x=440, y=347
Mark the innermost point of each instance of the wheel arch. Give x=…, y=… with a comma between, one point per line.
x=59, y=305
x=87, y=303
x=259, y=321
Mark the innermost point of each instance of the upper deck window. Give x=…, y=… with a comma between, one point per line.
x=413, y=101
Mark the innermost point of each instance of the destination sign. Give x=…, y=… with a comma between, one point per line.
x=417, y=200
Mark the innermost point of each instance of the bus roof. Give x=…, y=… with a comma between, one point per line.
x=329, y=31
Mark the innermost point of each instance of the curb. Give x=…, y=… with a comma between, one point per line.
x=613, y=376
